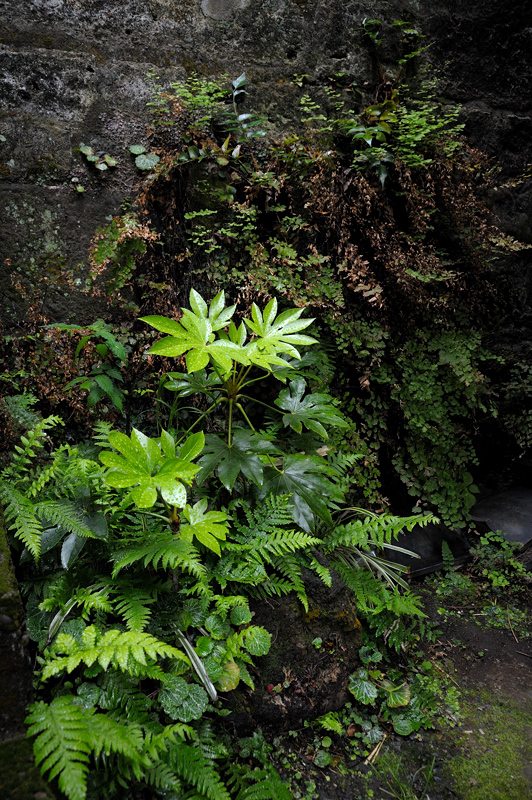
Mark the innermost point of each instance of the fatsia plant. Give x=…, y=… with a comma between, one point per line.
x=223, y=362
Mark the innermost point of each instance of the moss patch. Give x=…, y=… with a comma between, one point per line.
x=496, y=751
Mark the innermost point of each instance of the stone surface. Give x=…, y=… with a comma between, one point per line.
x=15, y=666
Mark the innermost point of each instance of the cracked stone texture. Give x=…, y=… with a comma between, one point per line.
x=74, y=71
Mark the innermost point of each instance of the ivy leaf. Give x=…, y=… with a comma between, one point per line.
x=275, y=334
x=183, y=701
x=308, y=480
x=362, y=688
x=207, y=526
x=312, y=411
x=242, y=455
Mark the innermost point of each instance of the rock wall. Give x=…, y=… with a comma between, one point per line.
x=74, y=71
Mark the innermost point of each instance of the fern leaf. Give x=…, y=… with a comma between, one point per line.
x=133, y=608
x=62, y=746
x=119, y=649
x=194, y=768
x=164, y=550
x=267, y=785
x=21, y=518
x=65, y=514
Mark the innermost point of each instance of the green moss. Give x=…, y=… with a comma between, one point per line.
x=19, y=777
x=495, y=752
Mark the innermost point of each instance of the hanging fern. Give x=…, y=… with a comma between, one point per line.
x=21, y=518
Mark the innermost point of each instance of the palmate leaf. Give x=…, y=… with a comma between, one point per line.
x=241, y=456
x=206, y=526
x=314, y=411
x=194, y=335
x=308, y=480
x=276, y=334
x=150, y=465
x=122, y=650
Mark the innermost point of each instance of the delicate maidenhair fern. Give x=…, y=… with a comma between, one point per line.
x=164, y=550
x=124, y=650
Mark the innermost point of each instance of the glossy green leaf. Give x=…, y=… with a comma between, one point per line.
x=309, y=480
x=183, y=701
x=313, y=411
x=362, y=688
x=241, y=456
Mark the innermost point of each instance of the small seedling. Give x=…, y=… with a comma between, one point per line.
x=101, y=162
x=143, y=159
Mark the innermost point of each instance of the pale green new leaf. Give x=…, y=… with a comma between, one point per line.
x=206, y=526
x=276, y=334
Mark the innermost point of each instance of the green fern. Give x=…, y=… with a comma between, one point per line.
x=68, y=734
x=192, y=766
x=21, y=518
x=62, y=746
x=26, y=451
x=164, y=550
x=124, y=650
x=66, y=514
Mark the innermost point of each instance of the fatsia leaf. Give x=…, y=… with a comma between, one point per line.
x=199, y=382
x=308, y=480
x=148, y=466
x=276, y=334
x=240, y=456
x=206, y=526
x=313, y=411
x=193, y=335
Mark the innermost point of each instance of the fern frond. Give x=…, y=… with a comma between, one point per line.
x=42, y=477
x=66, y=514
x=290, y=567
x=120, y=693
x=123, y=650
x=197, y=771
x=62, y=746
x=163, y=550
x=27, y=449
x=21, y=518
x=132, y=606
x=267, y=785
